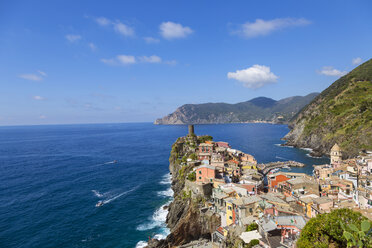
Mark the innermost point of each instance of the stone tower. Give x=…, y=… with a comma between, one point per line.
x=191, y=130
x=336, y=155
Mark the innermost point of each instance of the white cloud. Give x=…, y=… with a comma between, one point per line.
x=118, y=26
x=151, y=40
x=150, y=59
x=330, y=71
x=123, y=29
x=92, y=46
x=254, y=77
x=357, y=61
x=42, y=73
x=126, y=59
x=34, y=77
x=73, y=37
x=171, y=62
x=264, y=27
x=171, y=30
x=38, y=98
x=130, y=59
x=102, y=21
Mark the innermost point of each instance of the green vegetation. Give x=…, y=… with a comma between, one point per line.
x=193, y=156
x=342, y=113
x=186, y=195
x=326, y=230
x=357, y=237
x=192, y=176
x=204, y=138
x=251, y=227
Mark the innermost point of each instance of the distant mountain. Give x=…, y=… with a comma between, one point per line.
x=341, y=114
x=261, y=109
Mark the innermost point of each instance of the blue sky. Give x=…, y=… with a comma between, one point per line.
x=133, y=61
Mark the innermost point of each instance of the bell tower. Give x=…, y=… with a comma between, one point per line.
x=336, y=155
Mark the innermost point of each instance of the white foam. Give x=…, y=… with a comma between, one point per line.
x=141, y=244
x=282, y=145
x=167, y=179
x=157, y=219
x=116, y=196
x=308, y=154
x=96, y=193
x=307, y=149
x=167, y=193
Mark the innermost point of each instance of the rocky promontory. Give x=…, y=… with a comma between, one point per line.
x=185, y=219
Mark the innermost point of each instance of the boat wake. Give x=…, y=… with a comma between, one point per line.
x=111, y=162
x=96, y=193
x=106, y=201
x=281, y=158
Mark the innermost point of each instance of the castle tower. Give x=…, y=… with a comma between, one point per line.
x=191, y=130
x=336, y=155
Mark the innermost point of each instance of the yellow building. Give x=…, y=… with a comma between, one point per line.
x=230, y=216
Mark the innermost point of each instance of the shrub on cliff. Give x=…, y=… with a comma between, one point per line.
x=326, y=230
x=204, y=138
x=192, y=176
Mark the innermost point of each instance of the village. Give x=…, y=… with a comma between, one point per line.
x=270, y=210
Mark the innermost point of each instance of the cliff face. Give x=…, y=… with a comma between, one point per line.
x=341, y=114
x=184, y=218
x=257, y=109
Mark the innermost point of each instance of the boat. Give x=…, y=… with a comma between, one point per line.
x=99, y=204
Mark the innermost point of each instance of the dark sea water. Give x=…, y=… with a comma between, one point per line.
x=51, y=177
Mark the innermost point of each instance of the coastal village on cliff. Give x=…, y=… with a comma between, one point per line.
x=246, y=204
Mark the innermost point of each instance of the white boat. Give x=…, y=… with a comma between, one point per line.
x=99, y=204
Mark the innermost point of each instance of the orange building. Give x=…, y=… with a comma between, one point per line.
x=273, y=182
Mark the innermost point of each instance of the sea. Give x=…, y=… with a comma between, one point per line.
x=52, y=177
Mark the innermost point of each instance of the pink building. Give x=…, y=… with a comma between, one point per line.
x=205, y=173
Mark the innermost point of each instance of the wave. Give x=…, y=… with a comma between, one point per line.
x=157, y=219
x=166, y=193
x=281, y=145
x=306, y=149
x=308, y=154
x=141, y=244
x=167, y=179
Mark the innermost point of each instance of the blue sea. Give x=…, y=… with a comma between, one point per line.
x=51, y=178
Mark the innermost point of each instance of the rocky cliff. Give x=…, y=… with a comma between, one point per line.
x=185, y=220
x=258, y=109
x=341, y=114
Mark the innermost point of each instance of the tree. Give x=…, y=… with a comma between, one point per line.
x=326, y=230
x=251, y=227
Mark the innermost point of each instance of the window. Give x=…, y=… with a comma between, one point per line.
x=229, y=208
x=199, y=178
x=200, y=172
x=230, y=217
